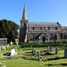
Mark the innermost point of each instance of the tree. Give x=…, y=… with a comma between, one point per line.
x=8, y=29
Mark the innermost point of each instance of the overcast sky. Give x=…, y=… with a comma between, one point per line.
x=37, y=10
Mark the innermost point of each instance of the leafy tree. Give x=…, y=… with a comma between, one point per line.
x=8, y=29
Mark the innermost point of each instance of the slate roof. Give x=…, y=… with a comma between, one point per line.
x=46, y=24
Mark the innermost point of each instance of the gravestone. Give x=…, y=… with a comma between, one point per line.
x=39, y=57
x=4, y=47
x=49, y=49
x=17, y=41
x=11, y=43
x=56, y=50
x=8, y=46
x=3, y=43
x=65, y=52
x=0, y=49
x=13, y=52
x=34, y=51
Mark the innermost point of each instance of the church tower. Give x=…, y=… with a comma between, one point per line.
x=23, y=26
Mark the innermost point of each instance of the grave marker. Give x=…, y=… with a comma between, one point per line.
x=65, y=52
x=39, y=57
x=56, y=51
x=13, y=52
x=0, y=49
x=49, y=49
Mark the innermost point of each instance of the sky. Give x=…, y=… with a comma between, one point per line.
x=37, y=10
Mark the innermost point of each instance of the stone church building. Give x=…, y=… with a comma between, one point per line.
x=40, y=31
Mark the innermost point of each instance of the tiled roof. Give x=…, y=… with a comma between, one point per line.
x=31, y=24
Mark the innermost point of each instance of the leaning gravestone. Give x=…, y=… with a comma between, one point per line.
x=13, y=52
x=56, y=50
x=65, y=52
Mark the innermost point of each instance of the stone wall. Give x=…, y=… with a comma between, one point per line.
x=3, y=43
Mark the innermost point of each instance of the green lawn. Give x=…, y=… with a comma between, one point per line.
x=20, y=62
x=31, y=63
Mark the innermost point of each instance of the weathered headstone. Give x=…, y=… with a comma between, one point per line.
x=13, y=52
x=3, y=43
x=39, y=57
x=49, y=49
x=11, y=43
x=8, y=46
x=34, y=52
x=56, y=50
x=4, y=47
x=65, y=52
x=17, y=41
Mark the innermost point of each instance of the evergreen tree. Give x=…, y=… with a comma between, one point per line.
x=8, y=29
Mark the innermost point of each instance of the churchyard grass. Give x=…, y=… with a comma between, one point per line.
x=26, y=53
x=31, y=63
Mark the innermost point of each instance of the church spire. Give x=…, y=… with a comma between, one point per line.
x=24, y=13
